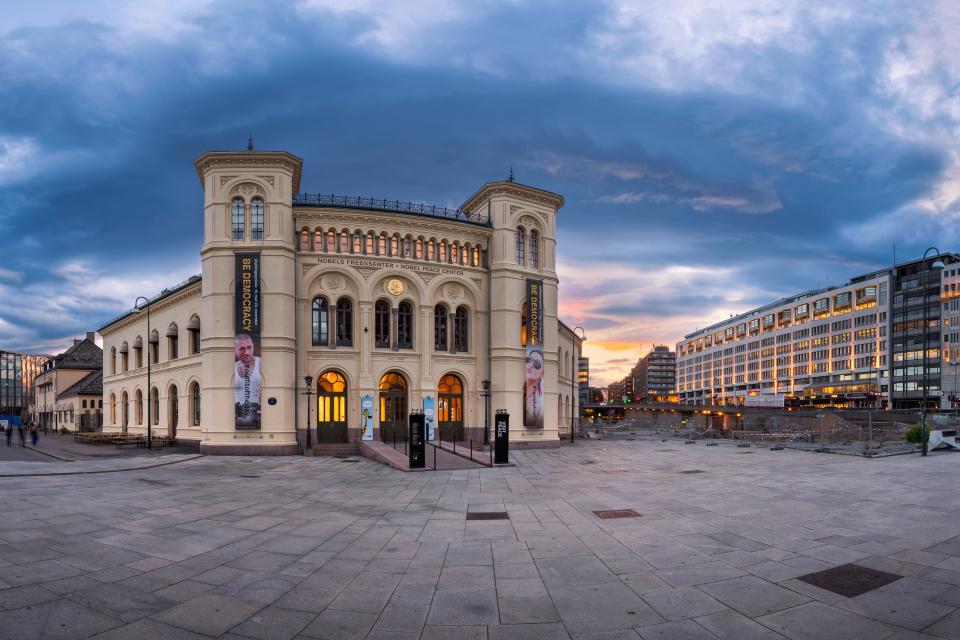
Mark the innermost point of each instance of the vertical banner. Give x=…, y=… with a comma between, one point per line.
x=533, y=384
x=429, y=418
x=247, y=377
x=366, y=418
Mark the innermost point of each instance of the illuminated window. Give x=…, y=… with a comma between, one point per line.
x=476, y=256
x=318, y=241
x=432, y=249
x=369, y=249
x=304, y=240
x=357, y=242
x=419, y=249
x=382, y=245
x=443, y=251
x=344, y=242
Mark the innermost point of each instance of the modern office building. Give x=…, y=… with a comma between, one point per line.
x=583, y=379
x=859, y=344
x=655, y=376
x=17, y=373
x=68, y=389
x=344, y=314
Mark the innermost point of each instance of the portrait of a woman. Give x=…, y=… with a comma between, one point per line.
x=533, y=391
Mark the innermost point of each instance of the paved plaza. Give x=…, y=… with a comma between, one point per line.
x=327, y=548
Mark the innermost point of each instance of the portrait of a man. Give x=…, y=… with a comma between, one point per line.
x=247, y=382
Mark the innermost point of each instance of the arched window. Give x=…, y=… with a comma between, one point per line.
x=450, y=407
x=318, y=240
x=534, y=248
x=344, y=242
x=440, y=328
x=369, y=250
x=394, y=246
x=381, y=329
x=155, y=406
x=454, y=252
x=256, y=219
x=138, y=351
x=124, y=352
x=382, y=245
x=153, y=347
x=476, y=256
x=138, y=398
x=320, y=322
x=195, y=403
x=124, y=410
x=344, y=322
x=521, y=243
x=405, y=326
x=304, y=240
x=113, y=408
x=464, y=255
x=236, y=218
x=523, y=325
x=193, y=329
x=331, y=241
x=113, y=359
x=432, y=249
x=357, y=242
x=173, y=338
x=443, y=251
x=460, y=327
x=407, y=247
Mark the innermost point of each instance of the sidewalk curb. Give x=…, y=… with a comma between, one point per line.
x=52, y=455
x=78, y=473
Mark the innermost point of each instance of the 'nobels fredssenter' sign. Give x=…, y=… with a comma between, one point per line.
x=247, y=374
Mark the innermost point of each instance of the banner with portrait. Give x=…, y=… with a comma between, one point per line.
x=534, y=369
x=247, y=374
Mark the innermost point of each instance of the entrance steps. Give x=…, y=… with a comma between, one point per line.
x=436, y=458
x=336, y=449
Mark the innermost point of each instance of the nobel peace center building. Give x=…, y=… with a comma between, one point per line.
x=320, y=321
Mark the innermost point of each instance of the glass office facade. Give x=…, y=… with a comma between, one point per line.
x=17, y=371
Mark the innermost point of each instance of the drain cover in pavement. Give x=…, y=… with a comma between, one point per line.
x=693, y=471
x=487, y=515
x=850, y=580
x=617, y=513
x=349, y=461
x=249, y=476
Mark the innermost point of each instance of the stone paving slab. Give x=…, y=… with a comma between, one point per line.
x=312, y=548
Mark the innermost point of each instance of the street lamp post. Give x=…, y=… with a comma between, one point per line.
x=937, y=265
x=486, y=411
x=137, y=309
x=308, y=381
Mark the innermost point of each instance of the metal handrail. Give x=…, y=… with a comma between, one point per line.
x=396, y=206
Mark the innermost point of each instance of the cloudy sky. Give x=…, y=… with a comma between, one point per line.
x=712, y=159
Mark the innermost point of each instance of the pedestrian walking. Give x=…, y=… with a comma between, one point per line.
x=34, y=434
x=23, y=436
x=9, y=431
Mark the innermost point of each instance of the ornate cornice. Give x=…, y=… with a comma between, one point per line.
x=250, y=159
x=515, y=190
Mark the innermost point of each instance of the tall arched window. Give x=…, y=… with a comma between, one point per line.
x=405, y=326
x=320, y=325
x=344, y=242
x=432, y=249
x=193, y=329
x=357, y=242
x=125, y=410
x=443, y=251
x=460, y=327
x=113, y=408
x=318, y=240
x=454, y=252
x=382, y=245
x=236, y=218
x=124, y=360
x=369, y=250
x=344, y=322
x=138, y=398
x=195, y=403
x=464, y=255
x=113, y=359
x=331, y=241
x=155, y=406
x=256, y=219
x=407, y=247
x=521, y=244
x=523, y=325
x=394, y=246
x=173, y=342
x=138, y=351
x=381, y=328
x=304, y=240
x=534, y=248
x=476, y=256
x=440, y=328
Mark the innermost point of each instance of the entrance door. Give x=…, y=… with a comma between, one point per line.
x=450, y=407
x=393, y=407
x=331, y=407
x=174, y=413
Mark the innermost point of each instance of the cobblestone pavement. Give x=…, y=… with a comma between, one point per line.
x=278, y=548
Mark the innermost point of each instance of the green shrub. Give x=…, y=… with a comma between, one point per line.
x=918, y=433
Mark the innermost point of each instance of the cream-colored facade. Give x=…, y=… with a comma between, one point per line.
x=449, y=287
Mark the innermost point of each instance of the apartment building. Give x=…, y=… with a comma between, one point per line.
x=829, y=347
x=655, y=376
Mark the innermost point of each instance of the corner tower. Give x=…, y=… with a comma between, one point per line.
x=248, y=295
x=523, y=248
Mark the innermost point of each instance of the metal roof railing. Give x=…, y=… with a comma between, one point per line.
x=393, y=206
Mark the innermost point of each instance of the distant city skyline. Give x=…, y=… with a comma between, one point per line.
x=712, y=158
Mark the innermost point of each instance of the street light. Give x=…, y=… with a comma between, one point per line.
x=137, y=309
x=936, y=266
x=486, y=411
x=308, y=381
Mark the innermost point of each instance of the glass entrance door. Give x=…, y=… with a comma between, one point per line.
x=450, y=408
x=331, y=408
x=393, y=407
